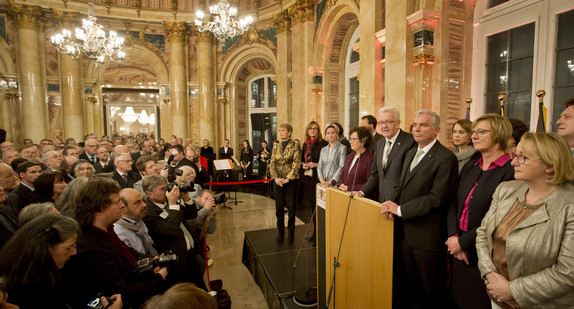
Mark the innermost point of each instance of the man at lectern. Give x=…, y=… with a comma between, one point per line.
x=421, y=201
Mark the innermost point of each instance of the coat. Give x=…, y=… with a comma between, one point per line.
x=539, y=250
x=285, y=163
x=331, y=165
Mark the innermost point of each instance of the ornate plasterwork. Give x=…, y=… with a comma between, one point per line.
x=302, y=11
x=206, y=37
x=423, y=20
x=66, y=19
x=282, y=21
x=251, y=36
x=26, y=16
x=176, y=31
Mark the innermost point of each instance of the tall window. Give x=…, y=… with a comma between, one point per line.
x=352, y=84
x=509, y=69
x=262, y=112
x=564, y=67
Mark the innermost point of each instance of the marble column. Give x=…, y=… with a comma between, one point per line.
x=370, y=68
x=90, y=127
x=6, y=118
x=304, y=108
x=206, y=87
x=176, y=33
x=27, y=19
x=283, y=24
x=398, y=60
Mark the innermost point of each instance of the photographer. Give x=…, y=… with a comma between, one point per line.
x=130, y=228
x=180, y=160
x=104, y=264
x=205, y=223
x=165, y=218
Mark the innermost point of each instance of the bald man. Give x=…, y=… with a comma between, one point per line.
x=8, y=178
x=130, y=228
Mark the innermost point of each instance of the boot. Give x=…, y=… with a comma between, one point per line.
x=280, y=237
x=291, y=237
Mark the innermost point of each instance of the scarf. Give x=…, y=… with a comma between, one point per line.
x=139, y=229
x=310, y=146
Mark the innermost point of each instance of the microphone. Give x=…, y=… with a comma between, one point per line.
x=334, y=183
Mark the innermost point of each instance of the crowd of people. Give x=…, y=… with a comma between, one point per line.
x=482, y=225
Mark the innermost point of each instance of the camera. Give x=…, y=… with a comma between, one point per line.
x=194, y=161
x=220, y=199
x=96, y=303
x=184, y=187
x=173, y=172
x=149, y=264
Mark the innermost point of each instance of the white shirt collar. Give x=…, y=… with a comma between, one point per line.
x=394, y=138
x=429, y=146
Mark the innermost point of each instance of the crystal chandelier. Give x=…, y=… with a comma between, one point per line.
x=129, y=115
x=90, y=40
x=223, y=22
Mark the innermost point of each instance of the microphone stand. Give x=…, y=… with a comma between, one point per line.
x=336, y=263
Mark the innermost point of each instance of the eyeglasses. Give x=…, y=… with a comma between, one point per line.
x=313, y=129
x=521, y=159
x=479, y=132
x=129, y=161
x=389, y=122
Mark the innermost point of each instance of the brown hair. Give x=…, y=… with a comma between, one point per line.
x=94, y=196
x=319, y=135
x=500, y=126
x=182, y=296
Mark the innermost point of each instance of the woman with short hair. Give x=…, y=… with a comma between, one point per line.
x=525, y=243
x=357, y=168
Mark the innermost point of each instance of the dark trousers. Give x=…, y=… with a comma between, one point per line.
x=425, y=277
x=468, y=289
x=285, y=198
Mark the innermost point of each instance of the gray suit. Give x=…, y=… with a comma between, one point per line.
x=331, y=165
x=386, y=178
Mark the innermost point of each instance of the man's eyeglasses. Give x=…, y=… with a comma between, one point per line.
x=389, y=122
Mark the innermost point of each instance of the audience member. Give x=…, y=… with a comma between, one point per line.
x=103, y=165
x=25, y=194
x=9, y=155
x=8, y=219
x=477, y=182
x=188, y=174
x=524, y=242
x=49, y=186
x=34, y=211
x=462, y=140
x=130, y=228
x=29, y=153
x=566, y=124
x=52, y=160
x=90, y=147
x=66, y=203
x=518, y=129
x=284, y=169
x=83, y=168
x=123, y=174
x=7, y=145
x=342, y=139
x=182, y=296
x=8, y=178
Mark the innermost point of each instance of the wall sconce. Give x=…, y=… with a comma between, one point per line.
x=423, y=24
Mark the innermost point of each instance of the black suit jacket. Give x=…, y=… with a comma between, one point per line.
x=385, y=179
x=108, y=169
x=200, y=177
x=8, y=223
x=424, y=195
x=132, y=178
x=480, y=199
x=84, y=156
x=22, y=197
x=166, y=231
x=377, y=137
x=222, y=155
x=100, y=266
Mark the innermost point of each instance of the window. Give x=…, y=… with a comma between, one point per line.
x=564, y=67
x=493, y=3
x=262, y=112
x=509, y=69
x=352, y=84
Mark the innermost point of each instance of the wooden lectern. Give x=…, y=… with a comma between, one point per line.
x=365, y=276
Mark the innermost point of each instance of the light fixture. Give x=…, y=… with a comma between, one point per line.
x=129, y=115
x=152, y=119
x=223, y=23
x=90, y=40
x=571, y=67
x=143, y=119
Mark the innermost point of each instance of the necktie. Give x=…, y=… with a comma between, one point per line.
x=125, y=177
x=416, y=159
x=94, y=160
x=387, y=151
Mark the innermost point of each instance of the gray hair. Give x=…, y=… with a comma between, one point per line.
x=435, y=116
x=7, y=152
x=48, y=154
x=33, y=211
x=117, y=156
x=66, y=202
x=151, y=181
x=388, y=109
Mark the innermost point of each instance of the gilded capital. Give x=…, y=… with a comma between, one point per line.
x=65, y=19
x=26, y=16
x=282, y=21
x=205, y=37
x=175, y=30
x=302, y=12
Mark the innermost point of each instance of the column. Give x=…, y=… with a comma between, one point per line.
x=7, y=115
x=176, y=33
x=283, y=24
x=302, y=35
x=71, y=85
x=370, y=68
x=206, y=87
x=27, y=19
x=90, y=127
x=398, y=60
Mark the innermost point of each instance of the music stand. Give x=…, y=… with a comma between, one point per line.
x=226, y=165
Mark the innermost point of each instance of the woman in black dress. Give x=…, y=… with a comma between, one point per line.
x=247, y=160
x=263, y=155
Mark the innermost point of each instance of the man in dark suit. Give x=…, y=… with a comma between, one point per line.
x=103, y=262
x=370, y=122
x=103, y=165
x=25, y=194
x=90, y=147
x=427, y=184
x=166, y=221
x=146, y=148
x=123, y=173
x=389, y=155
x=225, y=152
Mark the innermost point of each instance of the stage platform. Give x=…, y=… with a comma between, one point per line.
x=271, y=265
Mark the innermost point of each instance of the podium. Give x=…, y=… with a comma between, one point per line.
x=365, y=276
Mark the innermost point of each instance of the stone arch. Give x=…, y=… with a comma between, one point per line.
x=6, y=62
x=333, y=36
x=247, y=61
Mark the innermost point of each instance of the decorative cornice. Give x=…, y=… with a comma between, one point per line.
x=301, y=12
x=282, y=21
x=65, y=19
x=251, y=36
x=424, y=20
x=330, y=3
x=26, y=16
x=176, y=31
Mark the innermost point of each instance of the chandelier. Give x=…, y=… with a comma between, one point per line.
x=129, y=115
x=90, y=40
x=571, y=67
x=223, y=23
